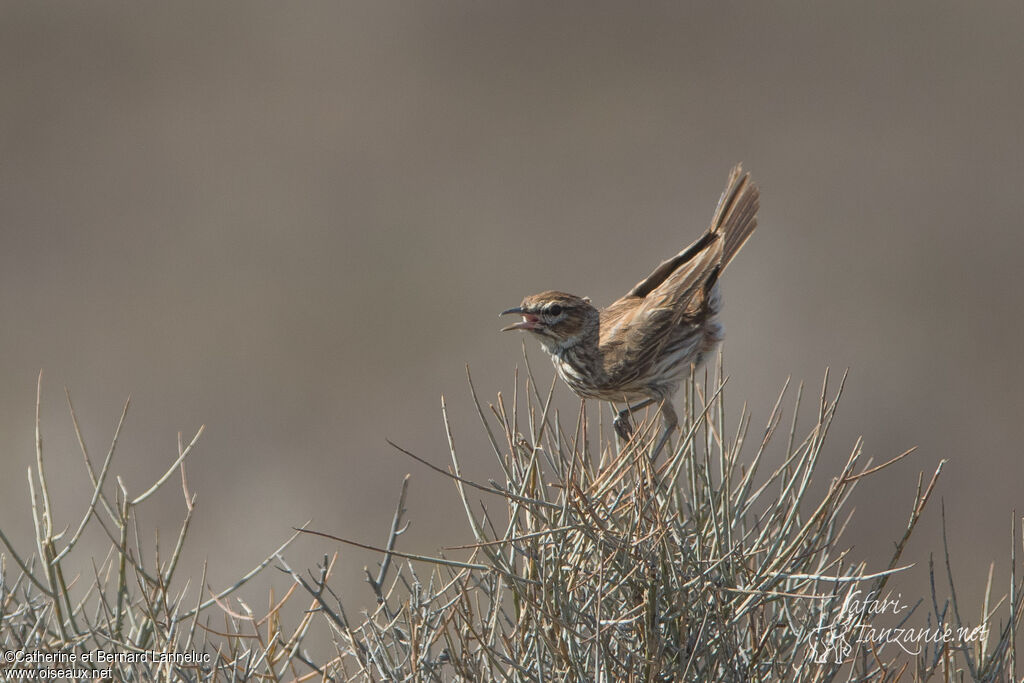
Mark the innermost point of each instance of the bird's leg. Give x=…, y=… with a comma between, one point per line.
x=621, y=423
x=669, y=422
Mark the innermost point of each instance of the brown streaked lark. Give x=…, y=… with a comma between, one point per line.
x=638, y=350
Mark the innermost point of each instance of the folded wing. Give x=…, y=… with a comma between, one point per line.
x=636, y=329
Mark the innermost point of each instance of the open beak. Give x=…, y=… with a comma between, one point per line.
x=530, y=322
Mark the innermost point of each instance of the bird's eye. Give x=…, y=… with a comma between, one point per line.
x=555, y=310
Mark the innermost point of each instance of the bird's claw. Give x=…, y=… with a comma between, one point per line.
x=622, y=427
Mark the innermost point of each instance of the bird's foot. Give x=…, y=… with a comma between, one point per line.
x=622, y=427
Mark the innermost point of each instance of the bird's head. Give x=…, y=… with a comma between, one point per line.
x=559, y=320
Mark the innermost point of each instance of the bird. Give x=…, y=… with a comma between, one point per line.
x=638, y=350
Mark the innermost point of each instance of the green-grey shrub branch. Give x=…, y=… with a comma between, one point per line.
x=588, y=562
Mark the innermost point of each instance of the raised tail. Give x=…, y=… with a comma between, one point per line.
x=736, y=214
x=735, y=218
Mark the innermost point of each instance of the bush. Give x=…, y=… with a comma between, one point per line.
x=595, y=564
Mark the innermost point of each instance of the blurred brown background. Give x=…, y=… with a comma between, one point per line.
x=295, y=223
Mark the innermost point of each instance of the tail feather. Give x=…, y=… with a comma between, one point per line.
x=735, y=218
x=736, y=214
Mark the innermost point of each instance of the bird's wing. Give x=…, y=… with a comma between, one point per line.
x=635, y=329
x=668, y=267
x=734, y=219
